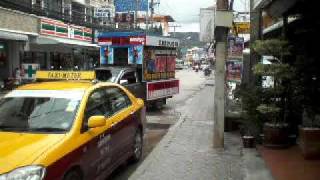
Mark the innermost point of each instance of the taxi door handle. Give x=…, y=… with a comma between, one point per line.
x=113, y=124
x=132, y=113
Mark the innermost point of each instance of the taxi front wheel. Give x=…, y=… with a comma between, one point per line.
x=73, y=175
x=137, y=147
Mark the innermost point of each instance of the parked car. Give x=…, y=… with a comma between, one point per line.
x=69, y=129
x=179, y=64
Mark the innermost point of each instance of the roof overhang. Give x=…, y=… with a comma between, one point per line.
x=44, y=40
x=15, y=35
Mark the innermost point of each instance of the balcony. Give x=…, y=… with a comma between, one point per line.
x=77, y=15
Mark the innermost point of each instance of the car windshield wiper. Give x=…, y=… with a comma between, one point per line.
x=47, y=129
x=12, y=128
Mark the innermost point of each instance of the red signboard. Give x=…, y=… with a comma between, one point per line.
x=161, y=89
x=133, y=40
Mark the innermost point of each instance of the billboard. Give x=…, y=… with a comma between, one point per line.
x=131, y=5
x=105, y=12
x=241, y=28
x=124, y=17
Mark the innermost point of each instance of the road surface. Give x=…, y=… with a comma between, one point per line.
x=158, y=121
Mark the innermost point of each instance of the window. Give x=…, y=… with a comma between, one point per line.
x=97, y=105
x=118, y=100
x=130, y=76
x=39, y=110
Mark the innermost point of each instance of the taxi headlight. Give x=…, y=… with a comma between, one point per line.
x=27, y=173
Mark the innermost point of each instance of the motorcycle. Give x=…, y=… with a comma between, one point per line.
x=197, y=68
x=207, y=71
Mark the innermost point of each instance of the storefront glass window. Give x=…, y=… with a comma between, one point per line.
x=3, y=54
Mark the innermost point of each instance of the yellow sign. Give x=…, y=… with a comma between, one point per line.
x=66, y=75
x=241, y=28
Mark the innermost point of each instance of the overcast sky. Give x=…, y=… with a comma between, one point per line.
x=186, y=12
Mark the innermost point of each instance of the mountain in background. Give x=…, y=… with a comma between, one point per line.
x=188, y=39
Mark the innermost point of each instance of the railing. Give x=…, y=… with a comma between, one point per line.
x=76, y=17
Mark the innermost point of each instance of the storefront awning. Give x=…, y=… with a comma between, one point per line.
x=13, y=36
x=278, y=25
x=53, y=40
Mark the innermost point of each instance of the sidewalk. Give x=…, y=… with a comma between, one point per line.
x=290, y=164
x=186, y=151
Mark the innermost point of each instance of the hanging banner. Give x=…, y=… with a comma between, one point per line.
x=234, y=70
x=235, y=46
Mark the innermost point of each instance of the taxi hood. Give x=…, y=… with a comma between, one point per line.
x=22, y=149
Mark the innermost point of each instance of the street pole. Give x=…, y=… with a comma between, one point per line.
x=136, y=13
x=221, y=35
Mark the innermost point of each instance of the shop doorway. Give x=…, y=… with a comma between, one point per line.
x=121, y=56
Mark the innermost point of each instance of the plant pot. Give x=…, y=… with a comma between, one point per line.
x=310, y=142
x=248, y=141
x=275, y=135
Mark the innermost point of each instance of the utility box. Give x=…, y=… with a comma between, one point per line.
x=223, y=18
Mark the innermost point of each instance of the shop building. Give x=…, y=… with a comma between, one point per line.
x=17, y=30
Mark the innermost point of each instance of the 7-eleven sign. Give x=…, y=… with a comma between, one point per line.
x=30, y=70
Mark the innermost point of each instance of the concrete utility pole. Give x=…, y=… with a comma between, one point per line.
x=221, y=35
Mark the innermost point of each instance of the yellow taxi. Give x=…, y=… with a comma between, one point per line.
x=74, y=128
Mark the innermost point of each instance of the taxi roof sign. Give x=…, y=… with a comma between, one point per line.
x=65, y=75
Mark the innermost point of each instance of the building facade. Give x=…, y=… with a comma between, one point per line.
x=46, y=34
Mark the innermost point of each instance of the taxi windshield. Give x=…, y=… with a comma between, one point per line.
x=39, y=110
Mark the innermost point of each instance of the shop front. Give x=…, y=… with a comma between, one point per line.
x=62, y=46
x=14, y=38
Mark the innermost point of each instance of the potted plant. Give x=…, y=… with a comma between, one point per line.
x=249, y=98
x=309, y=133
x=273, y=99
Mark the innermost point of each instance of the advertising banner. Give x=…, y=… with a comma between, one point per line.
x=130, y=5
x=241, y=28
x=158, y=64
x=235, y=46
x=125, y=17
x=234, y=70
x=106, y=55
x=135, y=54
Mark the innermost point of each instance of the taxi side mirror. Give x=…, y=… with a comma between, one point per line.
x=140, y=101
x=96, y=121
